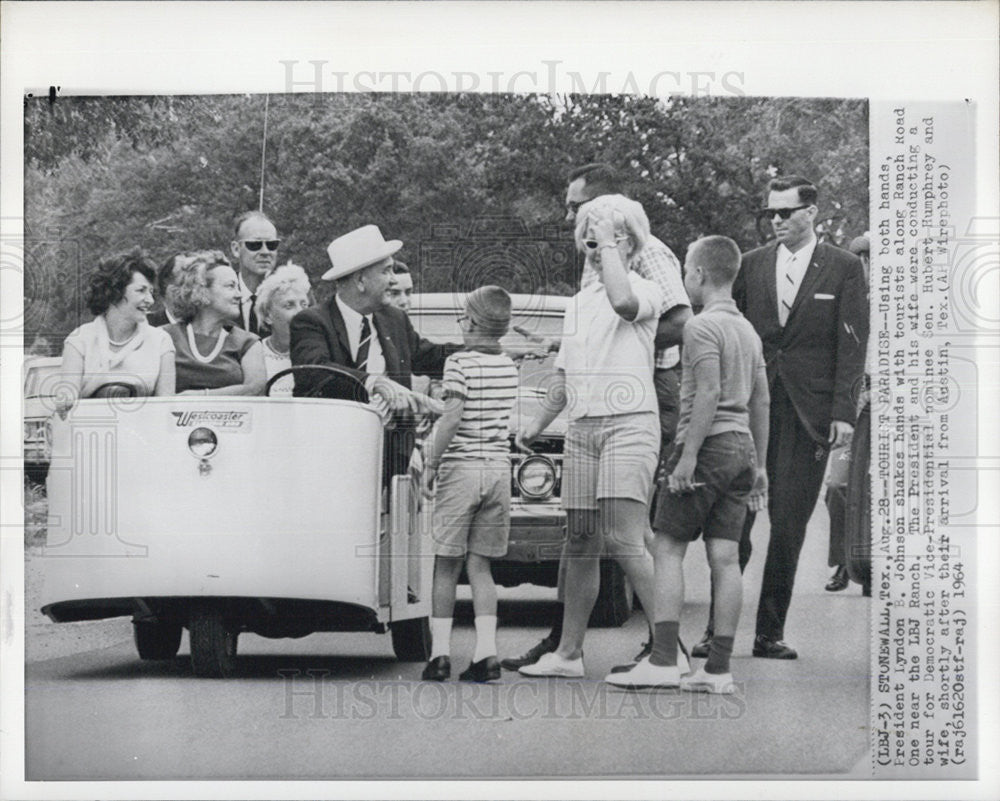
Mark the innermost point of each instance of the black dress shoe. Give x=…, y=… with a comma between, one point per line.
x=773, y=649
x=487, y=669
x=529, y=657
x=438, y=669
x=839, y=580
x=700, y=648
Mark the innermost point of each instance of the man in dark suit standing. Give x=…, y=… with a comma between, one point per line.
x=807, y=302
x=360, y=332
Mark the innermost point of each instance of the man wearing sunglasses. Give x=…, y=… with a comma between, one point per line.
x=806, y=300
x=255, y=253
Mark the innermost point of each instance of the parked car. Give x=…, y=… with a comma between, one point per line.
x=538, y=524
x=41, y=374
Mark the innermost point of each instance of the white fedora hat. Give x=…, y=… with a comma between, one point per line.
x=358, y=249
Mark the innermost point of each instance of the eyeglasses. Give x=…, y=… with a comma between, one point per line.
x=462, y=318
x=593, y=243
x=253, y=245
x=782, y=213
x=574, y=205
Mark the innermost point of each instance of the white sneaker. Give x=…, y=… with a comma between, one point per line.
x=702, y=682
x=552, y=664
x=645, y=675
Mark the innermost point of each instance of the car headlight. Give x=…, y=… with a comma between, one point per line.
x=536, y=478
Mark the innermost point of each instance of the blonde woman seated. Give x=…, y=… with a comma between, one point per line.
x=280, y=296
x=118, y=352
x=213, y=355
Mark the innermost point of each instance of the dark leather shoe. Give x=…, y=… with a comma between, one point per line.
x=529, y=657
x=487, y=669
x=438, y=669
x=839, y=580
x=647, y=649
x=700, y=648
x=773, y=649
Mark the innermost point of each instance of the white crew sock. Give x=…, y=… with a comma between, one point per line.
x=486, y=637
x=440, y=636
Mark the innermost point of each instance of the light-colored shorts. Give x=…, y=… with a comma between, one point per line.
x=610, y=457
x=471, y=508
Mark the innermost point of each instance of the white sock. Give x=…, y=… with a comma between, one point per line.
x=486, y=637
x=440, y=636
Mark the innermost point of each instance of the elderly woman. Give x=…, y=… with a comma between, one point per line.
x=118, y=346
x=604, y=378
x=280, y=296
x=214, y=357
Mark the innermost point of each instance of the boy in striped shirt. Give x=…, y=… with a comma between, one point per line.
x=467, y=471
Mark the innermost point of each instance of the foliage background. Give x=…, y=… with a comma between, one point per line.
x=473, y=184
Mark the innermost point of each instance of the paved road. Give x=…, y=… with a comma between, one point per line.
x=340, y=706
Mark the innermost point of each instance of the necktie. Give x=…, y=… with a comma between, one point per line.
x=252, y=325
x=364, y=344
x=789, y=288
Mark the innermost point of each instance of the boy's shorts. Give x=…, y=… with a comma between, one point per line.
x=471, y=512
x=610, y=457
x=727, y=465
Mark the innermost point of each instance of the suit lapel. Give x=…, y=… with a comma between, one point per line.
x=770, y=284
x=383, y=327
x=340, y=329
x=808, y=280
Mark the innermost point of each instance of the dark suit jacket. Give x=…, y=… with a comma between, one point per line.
x=819, y=355
x=158, y=318
x=319, y=336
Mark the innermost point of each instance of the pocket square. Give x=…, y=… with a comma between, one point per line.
x=821, y=296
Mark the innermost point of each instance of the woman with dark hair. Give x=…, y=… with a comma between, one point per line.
x=118, y=346
x=214, y=357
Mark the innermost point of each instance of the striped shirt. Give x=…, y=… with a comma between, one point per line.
x=487, y=382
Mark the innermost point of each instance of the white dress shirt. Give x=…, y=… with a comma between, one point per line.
x=790, y=268
x=352, y=321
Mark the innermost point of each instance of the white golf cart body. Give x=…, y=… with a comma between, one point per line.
x=283, y=530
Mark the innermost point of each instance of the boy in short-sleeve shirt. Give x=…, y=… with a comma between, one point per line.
x=716, y=469
x=467, y=470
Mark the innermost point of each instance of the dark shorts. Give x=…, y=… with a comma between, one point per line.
x=726, y=466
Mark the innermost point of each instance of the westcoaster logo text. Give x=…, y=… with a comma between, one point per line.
x=220, y=419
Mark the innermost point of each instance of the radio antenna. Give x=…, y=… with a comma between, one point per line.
x=263, y=153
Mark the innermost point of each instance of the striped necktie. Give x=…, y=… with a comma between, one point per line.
x=364, y=344
x=789, y=288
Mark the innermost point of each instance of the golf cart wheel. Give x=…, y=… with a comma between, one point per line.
x=157, y=640
x=411, y=639
x=213, y=643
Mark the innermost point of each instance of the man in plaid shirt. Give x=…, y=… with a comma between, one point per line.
x=657, y=263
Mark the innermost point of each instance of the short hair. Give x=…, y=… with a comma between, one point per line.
x=279, y=281
x=248, y=215
x=718, y=257
x=189, y=292
x=489, y=308
x=399, y=267
x=599, y=178
x=106, y=285
x=630, y=212
x=808, y=193
x=165, y=275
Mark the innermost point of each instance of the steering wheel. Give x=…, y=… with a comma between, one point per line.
x=115, y=389
x=330, y=373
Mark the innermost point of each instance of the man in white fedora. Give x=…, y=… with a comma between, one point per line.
x=359, y=331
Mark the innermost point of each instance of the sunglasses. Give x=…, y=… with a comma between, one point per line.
x=782, y=213
x=574, y=205
x=253, y=245
x=592, y=244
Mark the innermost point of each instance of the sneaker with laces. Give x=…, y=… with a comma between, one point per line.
x=647, y=649
x=644, y=675
x=529, y=657
x=702, y=682
x=551, y=664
